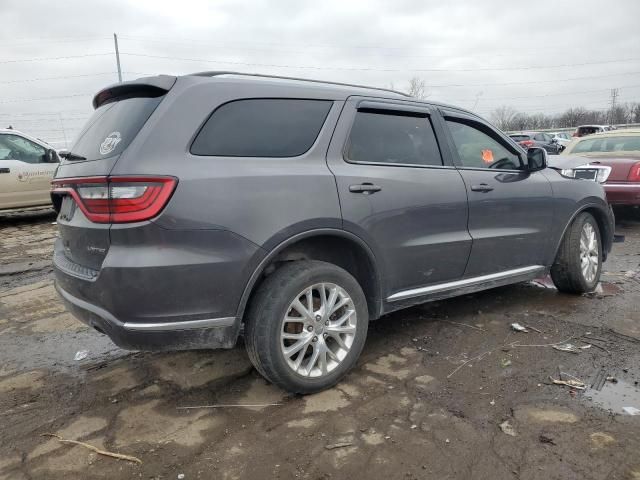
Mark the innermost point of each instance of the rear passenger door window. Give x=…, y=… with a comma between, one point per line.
x=394, y=138
x=262, y=127
x=478, y=149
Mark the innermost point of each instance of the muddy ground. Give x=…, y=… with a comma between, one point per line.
x=427, y=399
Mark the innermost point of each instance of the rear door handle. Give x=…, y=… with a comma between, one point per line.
x=483, y=187
x=366, y=188
x=5, y=170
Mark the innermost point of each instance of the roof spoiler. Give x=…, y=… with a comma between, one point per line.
x=141, y=87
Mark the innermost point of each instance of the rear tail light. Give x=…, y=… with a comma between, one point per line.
x=117, y=199
x=527, y=143
x=634, y=173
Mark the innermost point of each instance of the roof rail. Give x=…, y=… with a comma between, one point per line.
x=261, y=75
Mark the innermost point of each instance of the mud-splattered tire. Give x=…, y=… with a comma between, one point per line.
x=579, y=260
x=306, y=326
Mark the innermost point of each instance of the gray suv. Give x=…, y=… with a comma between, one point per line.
x=194, y=209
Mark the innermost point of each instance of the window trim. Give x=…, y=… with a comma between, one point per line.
x=235, y=100
x=489, y=131
x=399, y=110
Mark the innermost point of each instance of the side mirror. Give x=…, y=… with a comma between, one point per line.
x=51, y=156
x=536, y=159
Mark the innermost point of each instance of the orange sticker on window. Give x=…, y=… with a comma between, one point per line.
x=487, y=156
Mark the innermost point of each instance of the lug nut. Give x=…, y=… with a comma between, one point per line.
x=315, y=339
x=325, y=335
x=318, y=318
x=327, y=323
x=310, y=328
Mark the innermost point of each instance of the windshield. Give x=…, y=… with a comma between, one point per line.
x=608, y=144
x=113, y=126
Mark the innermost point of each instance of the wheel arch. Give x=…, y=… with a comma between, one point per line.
x=336, y=246
x=602, y=216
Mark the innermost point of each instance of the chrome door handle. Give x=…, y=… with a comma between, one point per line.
x=483, y=187
x=366, y=188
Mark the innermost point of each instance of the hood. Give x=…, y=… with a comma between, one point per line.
x=566, y=162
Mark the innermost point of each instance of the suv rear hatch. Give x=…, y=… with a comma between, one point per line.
x=87, y=199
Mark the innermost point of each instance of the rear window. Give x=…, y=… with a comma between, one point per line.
x=588, y=130
x=608, y=144
x=382, y=137
x=266, y=127
x=113, y=126
x=520, y=138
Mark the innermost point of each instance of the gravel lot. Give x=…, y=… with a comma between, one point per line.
x=445, y=390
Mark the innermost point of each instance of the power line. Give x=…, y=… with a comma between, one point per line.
x=39, y=59
x=47, y=98
x=63, y=77
x=366, y=69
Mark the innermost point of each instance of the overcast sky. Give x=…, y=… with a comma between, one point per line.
x=542, y=56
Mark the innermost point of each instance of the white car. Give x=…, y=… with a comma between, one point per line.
x=27, y=166
x=563, y=138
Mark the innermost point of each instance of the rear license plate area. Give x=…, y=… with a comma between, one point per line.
x=67, y=209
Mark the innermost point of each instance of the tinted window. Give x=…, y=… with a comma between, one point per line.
x=13, y=147
x=539, y=137
x=113, y=126
x=520, y=138
x=262, y=128
x=384, y=137
x=479, y=150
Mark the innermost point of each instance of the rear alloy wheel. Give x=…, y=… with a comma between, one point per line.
x=579, y=261
x=306, y=326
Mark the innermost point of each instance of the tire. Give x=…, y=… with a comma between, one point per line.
x=306, y=337
x=567, y=271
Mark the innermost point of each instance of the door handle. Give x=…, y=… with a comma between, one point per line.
x=483, y=187
x=365, y=188
x=5, y=170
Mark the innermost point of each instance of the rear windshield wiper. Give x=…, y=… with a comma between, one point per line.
x=72, y=156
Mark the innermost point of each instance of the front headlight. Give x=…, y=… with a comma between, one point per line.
x=601, y=172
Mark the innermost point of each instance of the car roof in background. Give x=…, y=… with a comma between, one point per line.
x=613, y=133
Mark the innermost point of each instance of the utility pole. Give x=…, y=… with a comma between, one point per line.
x=614, y=96
x=115, y=41
x=64, y=132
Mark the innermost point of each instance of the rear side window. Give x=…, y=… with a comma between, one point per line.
x=384, y=137
x=113, y=126
x=265, y=127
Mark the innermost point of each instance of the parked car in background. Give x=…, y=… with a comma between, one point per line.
x=620, y=151
x=27, y=166
x=583, y=130
x=194, y=208
x=563, y=138
x=537, y=139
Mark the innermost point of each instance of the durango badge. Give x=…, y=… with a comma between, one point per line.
x=109, y=143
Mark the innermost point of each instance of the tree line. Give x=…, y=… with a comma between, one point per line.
x=508, y=118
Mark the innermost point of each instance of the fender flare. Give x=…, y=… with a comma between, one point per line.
x=606, y=237
x=250, y=284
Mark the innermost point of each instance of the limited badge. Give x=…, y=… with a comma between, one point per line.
x=109, y=144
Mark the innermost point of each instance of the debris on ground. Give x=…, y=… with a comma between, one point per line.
x=81, y=355
x=338, y=445
x=505, y=362
x=569, y=383
x=546, y=439
x=533, y=328
x=519, y=328
x=567, y=347
x=612, y=379
x=99, y=451
x=631, y=410
x=508, y=429
x=180, y=476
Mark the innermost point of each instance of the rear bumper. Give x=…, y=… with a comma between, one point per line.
x=186, y=335
x=622, y=193
x=161, y=289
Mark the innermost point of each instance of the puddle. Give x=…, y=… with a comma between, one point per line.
x=616, y=396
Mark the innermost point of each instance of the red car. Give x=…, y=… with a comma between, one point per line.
x=619, y=150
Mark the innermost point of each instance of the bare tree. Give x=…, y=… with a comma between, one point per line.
x=503, y=117
x=417, y=88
